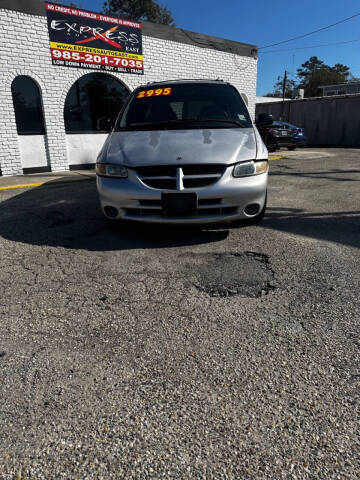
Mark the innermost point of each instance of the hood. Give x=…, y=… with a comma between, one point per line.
x=167, y=147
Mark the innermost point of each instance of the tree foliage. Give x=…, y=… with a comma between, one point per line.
x=310, y=76
x=290, y=90
x=314, y=73
x=353, y=79
x=139, y=10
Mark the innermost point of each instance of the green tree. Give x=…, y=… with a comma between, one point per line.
x=290, y=90
x=139, y=10
x=314, y=73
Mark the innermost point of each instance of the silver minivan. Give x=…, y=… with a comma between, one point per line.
x=183, y=152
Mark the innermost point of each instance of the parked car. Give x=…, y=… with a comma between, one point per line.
x=183, y=152
x=282, y=134
x=298, y=133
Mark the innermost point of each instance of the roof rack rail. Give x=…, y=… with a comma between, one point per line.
x=188, y=80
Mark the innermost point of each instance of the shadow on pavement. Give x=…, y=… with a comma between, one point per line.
x=286, y=171
x=338, y=227
x=69, y=216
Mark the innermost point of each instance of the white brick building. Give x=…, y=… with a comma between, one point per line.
x=169, y=53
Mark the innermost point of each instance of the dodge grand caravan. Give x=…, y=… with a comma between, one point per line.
x=183, y=152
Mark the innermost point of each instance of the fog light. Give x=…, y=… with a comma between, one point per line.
x=252, y=209
x=111, y=212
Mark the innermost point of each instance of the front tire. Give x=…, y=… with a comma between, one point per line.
x=270, y=146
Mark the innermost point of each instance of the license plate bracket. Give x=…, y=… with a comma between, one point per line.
x=179, y=203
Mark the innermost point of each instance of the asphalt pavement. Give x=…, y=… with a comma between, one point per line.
x=134, y=352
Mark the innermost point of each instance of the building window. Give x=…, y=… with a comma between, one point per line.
x=330, y=93
x=342, y=92
x=92, y=97
x=29, y=114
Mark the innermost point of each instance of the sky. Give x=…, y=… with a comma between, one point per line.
x=263, y=22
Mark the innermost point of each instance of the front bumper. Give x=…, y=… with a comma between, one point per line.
x=223, y=201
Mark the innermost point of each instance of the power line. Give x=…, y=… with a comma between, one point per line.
x=312, y=46
x=311, y=33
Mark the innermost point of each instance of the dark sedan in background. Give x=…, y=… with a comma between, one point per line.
x=298, y=133
x=282, y=134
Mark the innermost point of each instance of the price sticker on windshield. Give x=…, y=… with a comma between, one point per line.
x=157, y=92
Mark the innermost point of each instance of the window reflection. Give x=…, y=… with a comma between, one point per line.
x=92, y=97
x=28, y=107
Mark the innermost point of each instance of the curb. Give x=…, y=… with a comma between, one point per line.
x=48, y=184
x=276, y=158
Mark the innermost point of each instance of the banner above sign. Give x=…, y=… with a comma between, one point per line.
x=83, y=39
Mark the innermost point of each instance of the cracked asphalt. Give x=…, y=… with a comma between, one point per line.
x=135, y=352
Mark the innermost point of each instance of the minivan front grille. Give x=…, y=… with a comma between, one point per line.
x=178, y=177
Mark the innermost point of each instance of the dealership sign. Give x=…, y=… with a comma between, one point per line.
x=83, y=39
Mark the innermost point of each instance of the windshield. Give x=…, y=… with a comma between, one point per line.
x=185, y=106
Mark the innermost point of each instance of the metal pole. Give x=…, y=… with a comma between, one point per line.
x=283, y=95
x=284, y=85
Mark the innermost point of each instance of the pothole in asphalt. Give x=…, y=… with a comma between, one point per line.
x=247, y=274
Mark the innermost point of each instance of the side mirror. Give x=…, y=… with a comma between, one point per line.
x=104, y=124
x=245, y=98
x=264, y=119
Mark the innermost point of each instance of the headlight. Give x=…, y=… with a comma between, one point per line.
x=108, y=170
x=245, y=169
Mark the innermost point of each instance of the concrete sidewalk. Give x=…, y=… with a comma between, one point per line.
x=40, y=179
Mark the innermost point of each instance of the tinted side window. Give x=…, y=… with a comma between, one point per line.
x=28, y=107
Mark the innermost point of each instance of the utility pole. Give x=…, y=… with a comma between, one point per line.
x=283, y=95
x=284, y=85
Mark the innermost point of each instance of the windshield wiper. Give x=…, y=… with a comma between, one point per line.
x=146, y=124
x=183, y=120
x=234, y=122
